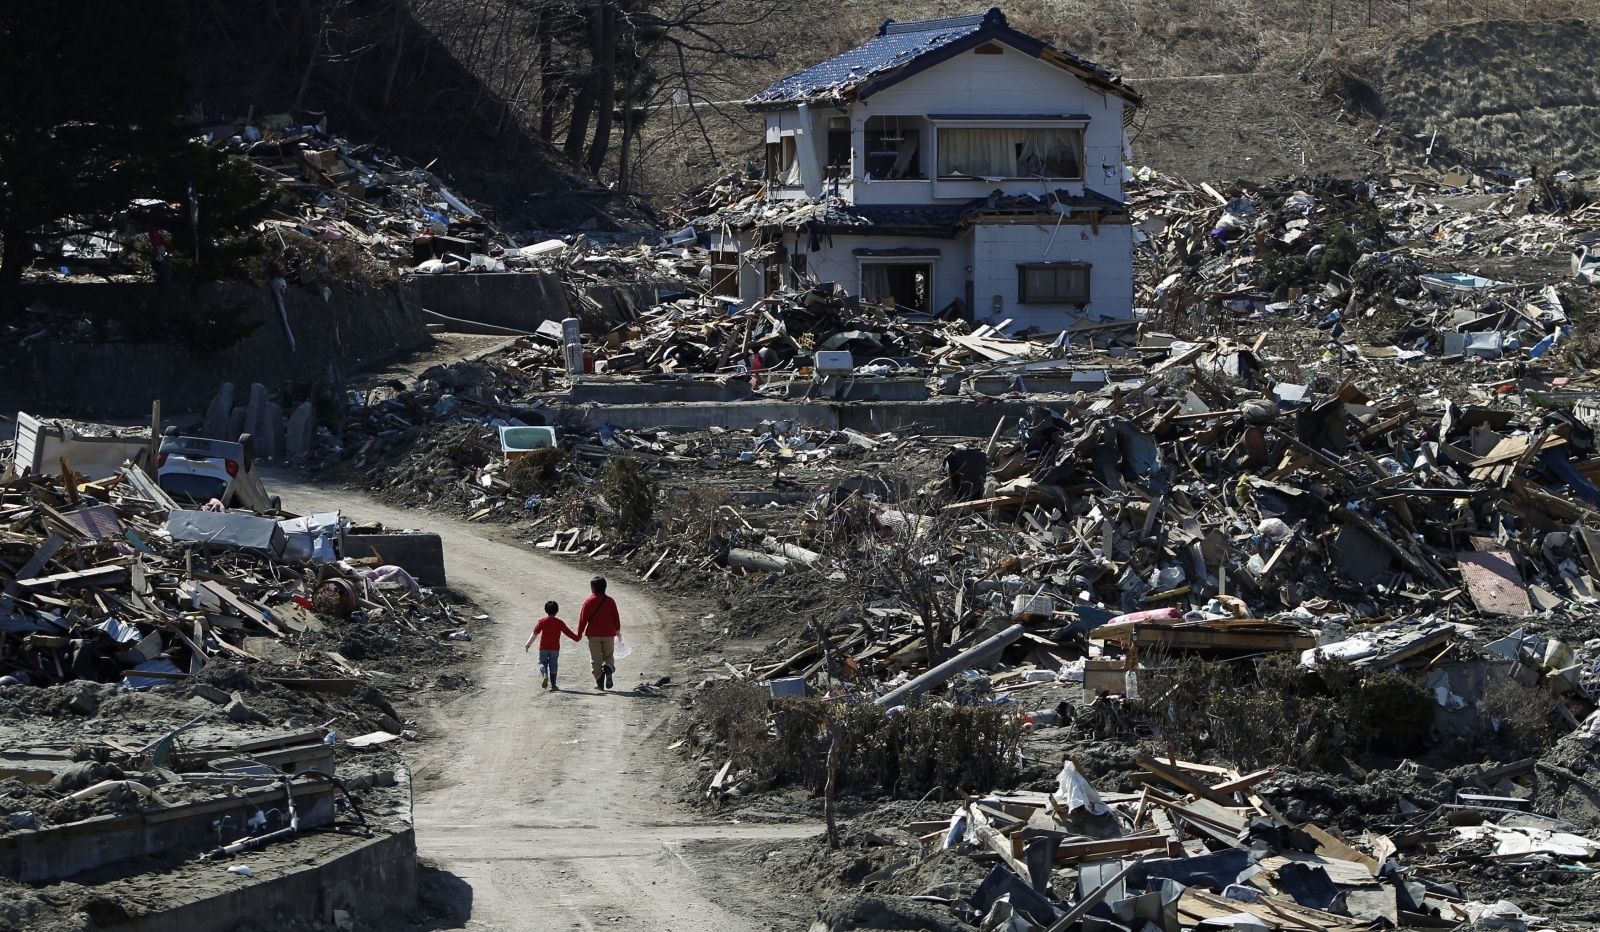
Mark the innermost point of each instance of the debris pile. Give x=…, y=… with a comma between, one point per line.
x=1187, y=845
x=401, y=216
x=110, y=581
x=1384, y=262
x=212, y=676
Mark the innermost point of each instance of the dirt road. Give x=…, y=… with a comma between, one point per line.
x=550, y=807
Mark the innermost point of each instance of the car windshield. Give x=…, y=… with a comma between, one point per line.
x=195, y=488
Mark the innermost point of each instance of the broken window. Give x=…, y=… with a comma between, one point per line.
x=725, y=274
x=1053, y=283
x=1011, y=153
x=894, y=147
x=906, y=285
x=783, y=163
x=838, y=148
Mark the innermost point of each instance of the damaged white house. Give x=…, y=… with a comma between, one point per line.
x=956, y=166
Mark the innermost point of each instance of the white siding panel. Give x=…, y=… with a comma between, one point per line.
x=999, y=248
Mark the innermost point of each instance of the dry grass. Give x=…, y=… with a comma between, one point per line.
x=1524, y=717
x=1279, y=712
x=1511, y=94
x=925, y=746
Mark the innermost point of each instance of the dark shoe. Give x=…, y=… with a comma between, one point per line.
x=609, y=684
x=600, y=683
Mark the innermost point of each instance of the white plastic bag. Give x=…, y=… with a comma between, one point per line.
x=620, y=648
x=1073, y=792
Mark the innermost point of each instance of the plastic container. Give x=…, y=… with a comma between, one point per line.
x=520, y=441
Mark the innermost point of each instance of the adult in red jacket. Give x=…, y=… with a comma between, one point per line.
x=599, y=620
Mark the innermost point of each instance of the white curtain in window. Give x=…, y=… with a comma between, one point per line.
x=789, y=168
x=978, y=153
x=1009, y=153
x=874, y=282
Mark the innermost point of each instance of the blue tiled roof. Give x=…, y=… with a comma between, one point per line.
x=897, y=44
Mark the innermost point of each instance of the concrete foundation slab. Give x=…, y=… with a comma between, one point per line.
x=366, y=878
x=55, y=853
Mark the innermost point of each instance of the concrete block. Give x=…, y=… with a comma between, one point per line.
x=275, y=428
x=209, y=693
x=301, y=432
x=235, y=425
x=85, y=702
x=255, y=418
x=421, y=555
x=219, y=413
x=237, y=711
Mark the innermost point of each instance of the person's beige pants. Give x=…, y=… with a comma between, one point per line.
x=602, y=651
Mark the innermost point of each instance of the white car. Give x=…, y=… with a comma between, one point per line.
x=198, y=469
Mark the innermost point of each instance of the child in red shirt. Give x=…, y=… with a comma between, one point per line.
x=549, y=631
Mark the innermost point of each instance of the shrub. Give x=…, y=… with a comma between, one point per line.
x=923, y=746
x=1396, y=712
x=1525, y=717
x=535, y=472
x=1279, y=712
x=630, y=493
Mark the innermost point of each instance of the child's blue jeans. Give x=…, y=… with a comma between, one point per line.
x=548, y=661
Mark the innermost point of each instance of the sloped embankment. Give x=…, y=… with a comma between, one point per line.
x=1512, y=93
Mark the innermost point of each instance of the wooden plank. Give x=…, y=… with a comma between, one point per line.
x=1079, y=852
x=1331, y=847
x=1182, y=780
x=246, y=609
x=1223, y=817
x=1512, y=449
x=983, y=504
x=40, y=557
x=1208, y=638
x=1245, y=782
x=995, y=842
x=99, y=575
x=312, y=736
x=340, y=687
x=1343, y=873
x=1182, y=359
